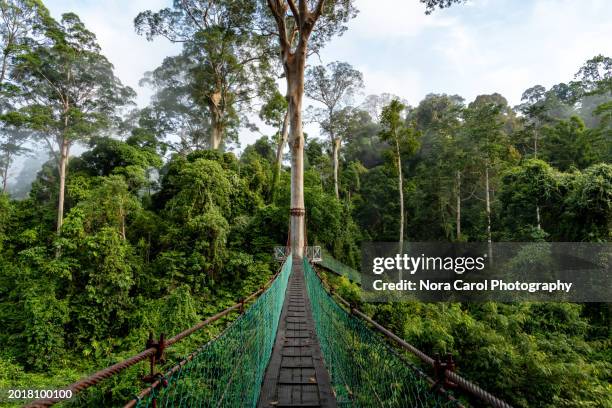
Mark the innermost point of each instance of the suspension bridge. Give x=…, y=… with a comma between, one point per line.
x=295, y=343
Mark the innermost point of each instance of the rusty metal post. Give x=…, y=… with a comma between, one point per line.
x=440, y=371
x=159, y=346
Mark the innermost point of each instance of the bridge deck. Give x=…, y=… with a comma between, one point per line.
x=296, y=375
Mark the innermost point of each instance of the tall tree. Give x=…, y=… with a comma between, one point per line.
x=225, y=57
x=70, y=89
x=11, y=145
x=333, y=86
x=443, y=157
x=403, y=138
x=484, y=122
x=295, y=26
x=173, y=112
x=275, y=113
x=374, y=104
x=20, y=21
x=295, y=23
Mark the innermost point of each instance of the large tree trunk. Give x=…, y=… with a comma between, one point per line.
x=284, y=133
x=63, y=160
x=294, y=68
x=5, y=55
x=216, y=119
x=335, y=153
x=216, y=132
x=458, y=210
x=488, y=209
x=294, y=63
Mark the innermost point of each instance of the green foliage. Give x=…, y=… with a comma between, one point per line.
x=139, y=254
x=570, y=144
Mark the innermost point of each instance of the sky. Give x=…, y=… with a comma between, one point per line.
x=483, y=46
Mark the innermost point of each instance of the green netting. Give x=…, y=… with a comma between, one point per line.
x=228, y=371
x=337, y=267
x=365, y=371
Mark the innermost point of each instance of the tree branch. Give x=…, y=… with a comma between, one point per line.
x=319, y=9
x=296, y=13
x=278, y=11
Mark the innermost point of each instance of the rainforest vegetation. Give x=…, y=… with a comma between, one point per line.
x=158, y=224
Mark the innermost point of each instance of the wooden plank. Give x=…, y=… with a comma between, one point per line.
x=296, y=375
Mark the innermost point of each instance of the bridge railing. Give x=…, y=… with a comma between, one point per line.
x=155, y=349
x=445, y=376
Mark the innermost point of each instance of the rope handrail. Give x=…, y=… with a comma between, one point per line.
x=228, y=369
x=461, y=382
x=150, y=352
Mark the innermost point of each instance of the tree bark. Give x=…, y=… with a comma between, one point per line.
x=284, y=133
x=63, y=159
x=216, y=132
x=294, y=63
x=5, y=173
x=401, y=194
x=488, y=209
x=216, y=118
x=294, y=66
x=5, y=55
x=458, y=210
x=535, y=154
x=335, y=153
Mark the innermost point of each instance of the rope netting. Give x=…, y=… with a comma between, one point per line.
x=365, y=371
x=228, y=370
x=330, y=263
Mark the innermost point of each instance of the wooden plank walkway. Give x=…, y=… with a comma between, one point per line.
x=296, y=375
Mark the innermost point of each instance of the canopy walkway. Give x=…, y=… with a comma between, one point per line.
x=294, y=344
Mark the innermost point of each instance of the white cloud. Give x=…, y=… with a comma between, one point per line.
x=113, y=23
x=488, y=46
x=394, y=19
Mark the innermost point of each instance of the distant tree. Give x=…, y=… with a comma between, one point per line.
x=11, y=145
x=332, y=86
x=531, y=184
x=275, y=113
x=374, y=104
x=70, y=89
x=569, y=143
x=403, y=139
x=172, y=111
x=20, y=21
x=226, y=58
x=484, y=121
x=595, y=75
x=444, y=156
x=294, y=23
